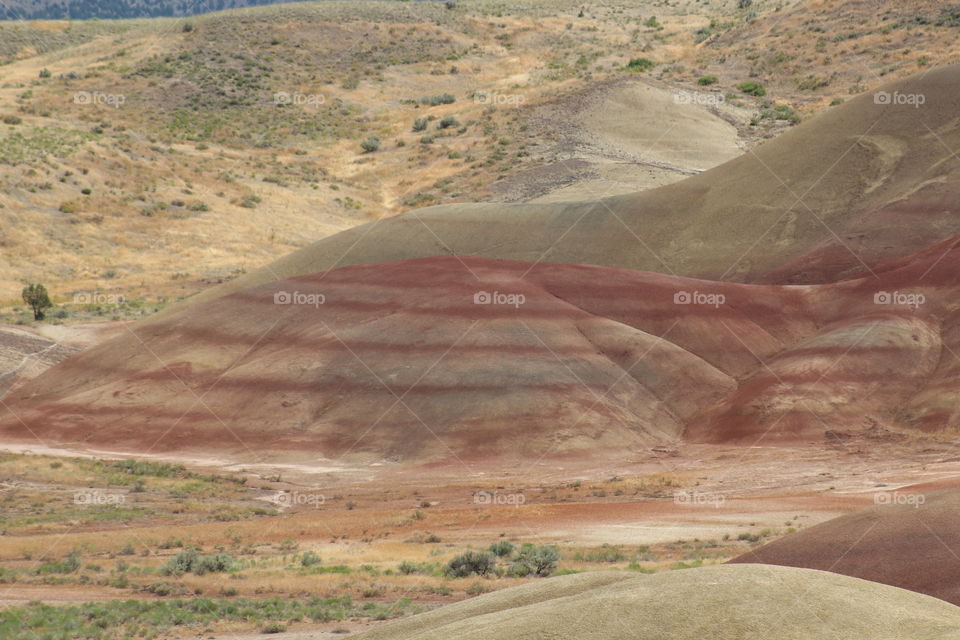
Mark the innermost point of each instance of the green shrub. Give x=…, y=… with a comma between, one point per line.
x=443, y=98
x=471, y=563
x=12, y=120
x=704, y=81
x=501, y=548
x=190, y=561
x=69, y=564
x=781, y=112
x=45, y=73
x=539, y=560
x=639, y=64
x=309, y=558
x=448, y=121
x=752, y=88
x=370, y=145
x=420, y=124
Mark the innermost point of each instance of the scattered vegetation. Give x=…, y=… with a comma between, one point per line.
x=117, y=620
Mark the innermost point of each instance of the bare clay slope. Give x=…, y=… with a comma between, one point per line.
x=400, y=362
x=723, y=602
x=858, y=185
x=908, y=545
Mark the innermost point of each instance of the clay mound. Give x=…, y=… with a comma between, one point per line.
x=727, y=602
x=882, y=358
x=859, y=184
x=470, y=358
x=901, y=543
x=399, y=361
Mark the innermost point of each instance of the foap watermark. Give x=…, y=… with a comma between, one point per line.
x=511, y=299
x=95, y=498
x=708, y=99
x=312, y=99
x=699, y=499
x=494, y=498
x=114, y=100
x=899, y=298
x=97, y=297
x=298, y=297
x=896, y=98
x=699, y=298
x=300, y=498
x=909, y=499
x=498, y=99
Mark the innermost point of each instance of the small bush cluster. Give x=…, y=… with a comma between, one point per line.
x=470, y=563
x=190, y=561
x=433, y=101
x=525, y=561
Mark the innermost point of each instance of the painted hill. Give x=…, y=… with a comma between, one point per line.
x=472, y=358
x=727, y=602
x=911, y=542
x=852, y=188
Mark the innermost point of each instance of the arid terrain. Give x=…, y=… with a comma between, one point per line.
x=481, y=320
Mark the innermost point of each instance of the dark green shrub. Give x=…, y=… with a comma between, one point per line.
x=448, y=121
x=471, y=563
x=752, y=88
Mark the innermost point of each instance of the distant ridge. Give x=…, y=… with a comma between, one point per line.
x=117, y=9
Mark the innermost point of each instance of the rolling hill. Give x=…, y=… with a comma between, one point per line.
x=846, y=191
x=741, y=603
